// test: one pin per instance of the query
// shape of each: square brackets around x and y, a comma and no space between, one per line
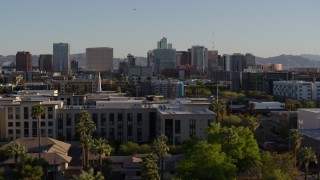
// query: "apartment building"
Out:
[299,90]
[116,118]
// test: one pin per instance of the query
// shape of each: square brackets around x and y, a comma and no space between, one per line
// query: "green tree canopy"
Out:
[238,143]
[306,155]
[149,169]
[90,175]
[16,151]
[206,161]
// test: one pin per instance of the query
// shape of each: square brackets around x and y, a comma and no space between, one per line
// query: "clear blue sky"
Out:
[264,28]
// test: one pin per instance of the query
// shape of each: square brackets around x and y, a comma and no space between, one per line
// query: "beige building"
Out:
[116,118]
[308,119]
[99,59]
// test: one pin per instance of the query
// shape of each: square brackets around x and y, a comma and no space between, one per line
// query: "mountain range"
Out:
[287,61]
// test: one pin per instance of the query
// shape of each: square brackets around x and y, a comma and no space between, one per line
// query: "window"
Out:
[26,124]
[10,131]
[26,132]
[192,127]
[68,119]
[139,134]
[177,126]
[95,118]
[111,119]
[43,123]
[26,113]
[139,119]
[17,112]
[10,113]
[18,133]
[50,123]
[17,124]
[50,133]
[34,124]
[10,124]
[103,119]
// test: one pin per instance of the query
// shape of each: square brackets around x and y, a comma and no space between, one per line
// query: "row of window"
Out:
[26,114]
[34,124]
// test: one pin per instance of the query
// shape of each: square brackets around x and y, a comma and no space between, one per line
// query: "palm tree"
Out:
[219,107]
[160,148]
[305,156]
[149,169]
[88,175]
[295,137]
[101,148]
[87,141]
[36,112]
[84,126]
[16,150]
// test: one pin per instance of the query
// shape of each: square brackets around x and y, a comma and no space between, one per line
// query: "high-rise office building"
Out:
[61,57]
[199,58]
[164,57]
[74,66]
[23,61]
[212,61]
[131,60]
[45,62]
[99,59]
[183,58]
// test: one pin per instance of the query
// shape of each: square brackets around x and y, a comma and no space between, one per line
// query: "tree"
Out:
[238,143]
[101,148]
[305,156]
[295,137]
[160,148]
[251,122]
[36,112]
[16,151]
[29,172]
[277,166]
[88,175]
[87,141]
[206,161]
[85,126]
[219,107]
[149,169]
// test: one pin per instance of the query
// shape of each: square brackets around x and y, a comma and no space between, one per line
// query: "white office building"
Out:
[299,90]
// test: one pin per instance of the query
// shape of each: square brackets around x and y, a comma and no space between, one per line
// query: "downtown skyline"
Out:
[262,28]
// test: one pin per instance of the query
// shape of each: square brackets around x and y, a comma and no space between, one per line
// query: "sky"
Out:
[265,28]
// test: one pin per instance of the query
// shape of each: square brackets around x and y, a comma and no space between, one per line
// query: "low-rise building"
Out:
[117,118]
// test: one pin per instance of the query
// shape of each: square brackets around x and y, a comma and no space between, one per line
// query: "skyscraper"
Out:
[164,57]
[61,57]
[46,62]
[99,59]
[74,66]
[23,61]
[199,58]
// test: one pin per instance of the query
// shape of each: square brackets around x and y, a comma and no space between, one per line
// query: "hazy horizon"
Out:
[263,28]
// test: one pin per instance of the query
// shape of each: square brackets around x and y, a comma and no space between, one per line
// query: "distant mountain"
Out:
[289,61]
[81,58]
[311,56]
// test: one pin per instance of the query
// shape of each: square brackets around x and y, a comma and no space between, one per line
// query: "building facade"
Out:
[164,57]
[299,90]
[61,57]
[99,59]
[46,62]
[199,58]
[23,61]
[116,118]
[74,66]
